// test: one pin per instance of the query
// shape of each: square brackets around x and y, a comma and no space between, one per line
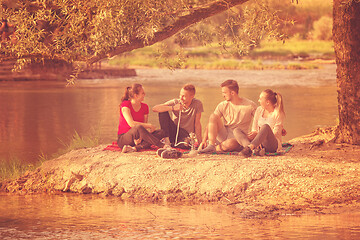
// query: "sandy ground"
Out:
[316,175]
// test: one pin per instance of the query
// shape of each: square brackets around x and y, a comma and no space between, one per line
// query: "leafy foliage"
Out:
[323,28]
[83,30]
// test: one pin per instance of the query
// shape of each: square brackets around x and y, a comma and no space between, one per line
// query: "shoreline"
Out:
[236,64]
[316,175]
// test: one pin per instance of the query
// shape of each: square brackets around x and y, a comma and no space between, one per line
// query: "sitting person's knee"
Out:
[238,131]
[213,117]
[265,127]
[228,146]
[139,127]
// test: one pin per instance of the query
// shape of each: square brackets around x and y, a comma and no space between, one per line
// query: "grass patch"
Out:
[216,57]
[76,142]
[13,168]
[294,47]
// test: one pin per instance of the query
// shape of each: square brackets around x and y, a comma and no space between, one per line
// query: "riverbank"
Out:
[311,177]
[294,54]
[60,71]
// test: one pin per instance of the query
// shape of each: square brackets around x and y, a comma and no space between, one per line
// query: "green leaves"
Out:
[79,30]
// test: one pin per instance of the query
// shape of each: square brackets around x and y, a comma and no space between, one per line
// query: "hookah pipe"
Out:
[192,137]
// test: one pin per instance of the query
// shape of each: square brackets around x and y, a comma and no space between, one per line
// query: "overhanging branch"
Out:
[182,23]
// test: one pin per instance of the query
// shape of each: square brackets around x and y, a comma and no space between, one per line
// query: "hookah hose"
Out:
[177,130]
[192,152]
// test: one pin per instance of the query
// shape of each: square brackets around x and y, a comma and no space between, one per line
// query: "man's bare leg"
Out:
[213,127]
[229,145]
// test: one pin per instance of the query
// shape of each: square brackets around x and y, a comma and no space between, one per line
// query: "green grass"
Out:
[14,167]
[216,57]
[323,49]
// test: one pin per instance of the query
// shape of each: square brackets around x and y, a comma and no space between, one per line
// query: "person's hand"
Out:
[252,135]
[137,141]
[178,107]
[202,146]
[152,128]
[283,132]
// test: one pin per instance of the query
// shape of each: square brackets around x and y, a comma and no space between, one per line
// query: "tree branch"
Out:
[182,23]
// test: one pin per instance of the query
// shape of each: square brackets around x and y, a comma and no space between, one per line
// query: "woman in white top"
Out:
[267,128]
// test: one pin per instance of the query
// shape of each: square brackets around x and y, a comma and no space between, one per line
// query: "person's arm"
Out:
[198,127]
[279,126]
[171,105]
[129,119]
[162,108]
[203,142]
[254,129]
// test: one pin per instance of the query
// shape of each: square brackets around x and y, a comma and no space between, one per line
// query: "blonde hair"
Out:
[277,100]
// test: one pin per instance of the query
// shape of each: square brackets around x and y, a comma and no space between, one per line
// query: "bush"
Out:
[323,28]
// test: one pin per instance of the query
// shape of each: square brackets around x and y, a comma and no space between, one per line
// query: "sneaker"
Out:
[160,150]
[246,152]
[259,152]
[128,149]
[209,149]
[171,153]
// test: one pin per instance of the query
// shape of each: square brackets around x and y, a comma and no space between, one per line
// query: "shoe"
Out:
[246,152]
[171,153]
[128,149]
[160,150]
[183,146]
[209,149]
[259,152]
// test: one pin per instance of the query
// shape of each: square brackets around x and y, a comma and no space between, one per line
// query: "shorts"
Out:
[224,134]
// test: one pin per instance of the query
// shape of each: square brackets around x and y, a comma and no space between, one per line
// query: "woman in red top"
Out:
[135,133]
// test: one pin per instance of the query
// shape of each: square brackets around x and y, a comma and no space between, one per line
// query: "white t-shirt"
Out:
[236,115]
[275,121]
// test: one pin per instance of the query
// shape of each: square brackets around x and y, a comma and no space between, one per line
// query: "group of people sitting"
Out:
[227,129]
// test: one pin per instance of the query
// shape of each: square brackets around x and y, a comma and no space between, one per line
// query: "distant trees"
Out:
[323,28]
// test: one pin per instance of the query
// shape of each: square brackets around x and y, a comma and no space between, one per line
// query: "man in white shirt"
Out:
[237,113]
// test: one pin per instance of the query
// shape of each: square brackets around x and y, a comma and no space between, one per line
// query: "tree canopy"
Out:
[90,30]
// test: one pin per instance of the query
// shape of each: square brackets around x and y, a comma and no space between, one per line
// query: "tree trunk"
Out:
[346,34]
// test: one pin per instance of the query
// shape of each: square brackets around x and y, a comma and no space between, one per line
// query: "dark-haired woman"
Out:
[267,128]
[134,132]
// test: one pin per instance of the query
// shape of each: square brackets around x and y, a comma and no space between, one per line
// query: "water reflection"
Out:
[90,217]
[38,116]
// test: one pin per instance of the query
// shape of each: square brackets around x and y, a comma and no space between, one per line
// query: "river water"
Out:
[71,216]
[38,117]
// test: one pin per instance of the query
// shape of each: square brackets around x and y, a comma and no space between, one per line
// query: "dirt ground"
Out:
[315,175]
